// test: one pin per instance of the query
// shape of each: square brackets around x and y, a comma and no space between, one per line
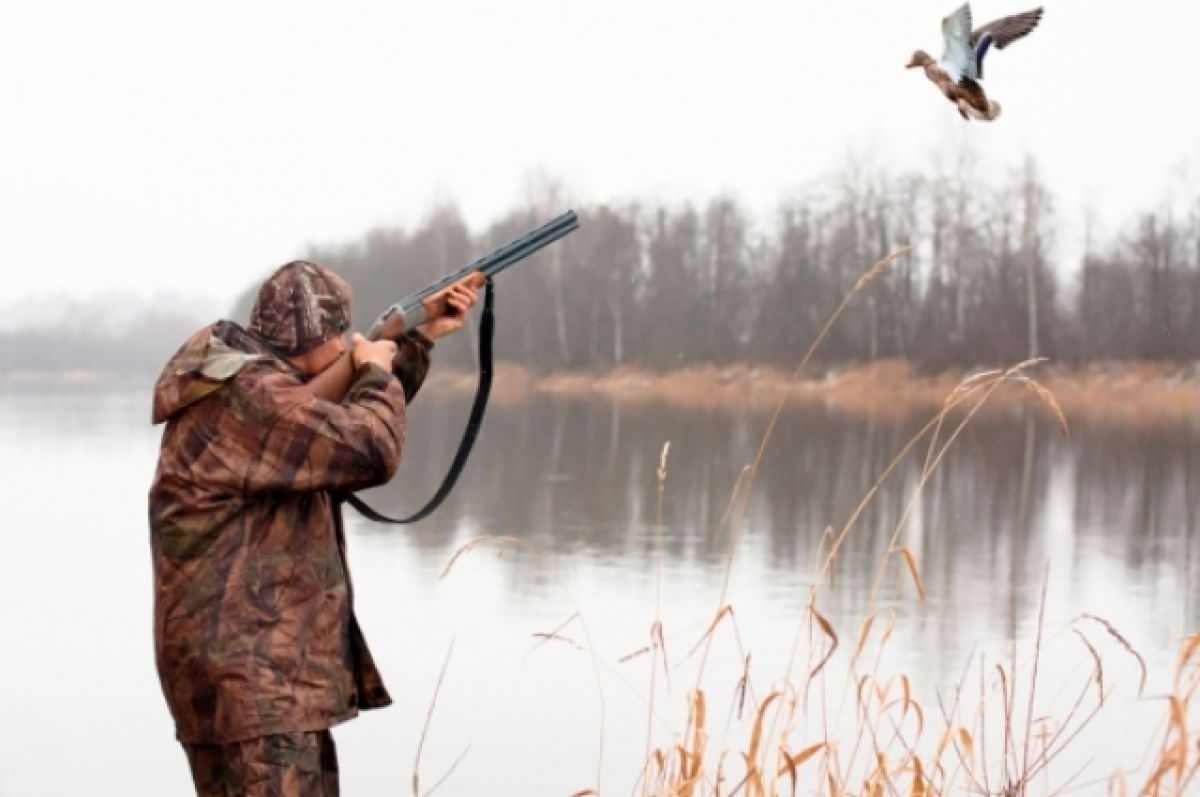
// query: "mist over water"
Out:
[1107,517]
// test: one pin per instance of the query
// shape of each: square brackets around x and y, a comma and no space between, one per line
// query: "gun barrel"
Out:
[412,306]
[526,245]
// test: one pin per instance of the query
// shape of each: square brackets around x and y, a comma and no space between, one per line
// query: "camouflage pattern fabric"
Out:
[254,626]
[284,765]
[299,307]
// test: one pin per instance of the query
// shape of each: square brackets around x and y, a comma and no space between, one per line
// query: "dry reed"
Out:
[890,727]
[473,543]
[416,777]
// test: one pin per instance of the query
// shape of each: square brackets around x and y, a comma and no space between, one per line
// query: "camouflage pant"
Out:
[285,765]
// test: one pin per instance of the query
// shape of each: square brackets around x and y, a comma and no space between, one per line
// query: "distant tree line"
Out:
[668,286]
[664,287]
[90,342]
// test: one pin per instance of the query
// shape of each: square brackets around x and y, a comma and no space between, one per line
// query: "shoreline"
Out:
[1135,391]
[1117,391]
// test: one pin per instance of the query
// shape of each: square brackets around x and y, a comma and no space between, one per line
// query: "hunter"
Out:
[258,650]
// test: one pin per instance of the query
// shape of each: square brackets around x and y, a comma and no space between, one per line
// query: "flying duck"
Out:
[960,68]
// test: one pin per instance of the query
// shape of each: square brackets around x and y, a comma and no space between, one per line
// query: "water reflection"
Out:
[572,477]
[1112,511]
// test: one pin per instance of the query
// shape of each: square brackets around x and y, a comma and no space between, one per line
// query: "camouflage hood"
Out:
[206,360]
[299,307]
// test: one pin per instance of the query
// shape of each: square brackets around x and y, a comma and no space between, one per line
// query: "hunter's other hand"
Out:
[379,352]
[460,299]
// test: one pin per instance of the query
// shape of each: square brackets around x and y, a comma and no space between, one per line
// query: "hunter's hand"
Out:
[379,352]
[459,301]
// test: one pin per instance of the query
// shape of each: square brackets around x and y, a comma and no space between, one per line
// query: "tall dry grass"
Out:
[837,725]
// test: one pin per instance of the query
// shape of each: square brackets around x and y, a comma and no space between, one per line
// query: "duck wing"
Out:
[1001,32]
[958,58]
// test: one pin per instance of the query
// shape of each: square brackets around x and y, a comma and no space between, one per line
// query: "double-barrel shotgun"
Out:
[430,301]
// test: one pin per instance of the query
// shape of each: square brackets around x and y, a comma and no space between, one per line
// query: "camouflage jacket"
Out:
[254,625]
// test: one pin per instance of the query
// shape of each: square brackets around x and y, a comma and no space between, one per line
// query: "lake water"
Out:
[1106,520]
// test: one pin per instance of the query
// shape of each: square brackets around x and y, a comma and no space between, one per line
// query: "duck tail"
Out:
[993,110]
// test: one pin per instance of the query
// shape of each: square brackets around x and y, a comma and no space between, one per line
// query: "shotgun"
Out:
[430,302]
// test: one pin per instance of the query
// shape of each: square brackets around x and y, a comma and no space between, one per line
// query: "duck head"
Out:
[919,58]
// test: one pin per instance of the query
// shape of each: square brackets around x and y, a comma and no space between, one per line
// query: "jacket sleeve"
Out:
[301,443]
[411,362]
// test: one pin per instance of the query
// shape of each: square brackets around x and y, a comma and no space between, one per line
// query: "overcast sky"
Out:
[153,145]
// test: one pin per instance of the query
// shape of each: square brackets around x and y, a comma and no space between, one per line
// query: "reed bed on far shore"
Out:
[1112,392]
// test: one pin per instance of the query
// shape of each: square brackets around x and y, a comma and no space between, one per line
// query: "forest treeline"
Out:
[667,286]
[664,287]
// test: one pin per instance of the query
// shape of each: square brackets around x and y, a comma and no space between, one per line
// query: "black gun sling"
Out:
[486,325]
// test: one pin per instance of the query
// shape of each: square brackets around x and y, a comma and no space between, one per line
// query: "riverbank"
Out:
[889,388]
[1117,391]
